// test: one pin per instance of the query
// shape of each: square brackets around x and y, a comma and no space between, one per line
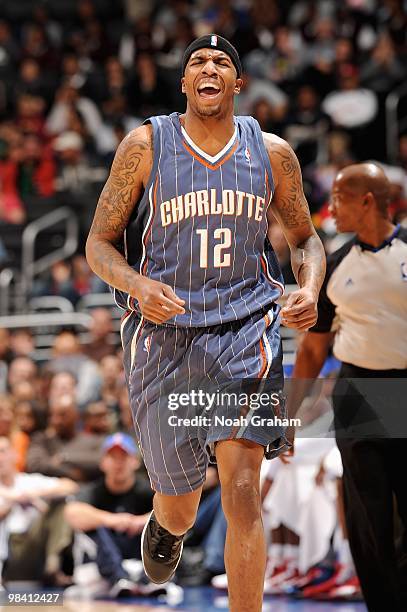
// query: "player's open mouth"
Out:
[208,90]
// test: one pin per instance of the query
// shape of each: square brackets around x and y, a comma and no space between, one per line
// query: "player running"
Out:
[191,197]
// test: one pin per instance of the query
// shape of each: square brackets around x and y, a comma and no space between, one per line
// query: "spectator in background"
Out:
[6,352]
[98,419]
[37,169]
[12,209]
[254,89]
[21,369]
[63,450]
[344,52]
[9,51]
[112,513]
[76,176]
[30,114]
[307,126]
[147,93]
[26,391]
[96,45]
[35,45]
[72,73]
[32,530]
[62,383]
[384,70]
[322,177]
[115,104]
[58,281]
[398,189]
[115,80]
[9,429]
[29,417]
[351,105]
[32,81]
[403,152]
[283,63]
[5,357]
[52,29]
[113,376]
[354,108]
[100,332]
[68,356]
[263,112]
[323,43]
[22,343]
[69,98]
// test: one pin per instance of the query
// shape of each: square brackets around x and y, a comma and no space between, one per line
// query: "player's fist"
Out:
[157,301]
[300,310]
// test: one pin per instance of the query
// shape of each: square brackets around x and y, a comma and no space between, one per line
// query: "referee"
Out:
[362,309]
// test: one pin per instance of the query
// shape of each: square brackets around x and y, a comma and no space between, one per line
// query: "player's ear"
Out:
[183,84]
[238,85]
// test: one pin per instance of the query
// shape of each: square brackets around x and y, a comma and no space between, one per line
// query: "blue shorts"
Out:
[192,387]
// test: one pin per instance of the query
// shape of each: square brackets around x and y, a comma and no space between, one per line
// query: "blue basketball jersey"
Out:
[201,225]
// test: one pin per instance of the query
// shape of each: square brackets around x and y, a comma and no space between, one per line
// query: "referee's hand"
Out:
[286,456]
[300,310]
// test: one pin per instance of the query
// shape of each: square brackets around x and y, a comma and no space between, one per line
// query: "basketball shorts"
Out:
[193,387]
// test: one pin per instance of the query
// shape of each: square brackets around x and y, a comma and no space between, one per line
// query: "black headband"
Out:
[213,41]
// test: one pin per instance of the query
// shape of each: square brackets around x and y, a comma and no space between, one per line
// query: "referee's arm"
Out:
[311,355]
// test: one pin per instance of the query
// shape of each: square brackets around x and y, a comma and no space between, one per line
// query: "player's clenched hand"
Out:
[300,310]
[157,301]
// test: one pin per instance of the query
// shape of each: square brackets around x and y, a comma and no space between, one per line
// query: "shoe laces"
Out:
[164,544]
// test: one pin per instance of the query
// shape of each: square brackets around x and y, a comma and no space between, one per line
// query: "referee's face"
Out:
[347,207]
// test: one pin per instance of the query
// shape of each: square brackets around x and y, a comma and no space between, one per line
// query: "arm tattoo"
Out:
[117,198]
[292,206]
[291,209]
[114,209]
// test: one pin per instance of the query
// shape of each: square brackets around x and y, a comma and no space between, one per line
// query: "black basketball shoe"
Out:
[160,551]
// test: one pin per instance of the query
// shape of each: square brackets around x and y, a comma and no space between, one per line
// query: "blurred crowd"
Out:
[75,77]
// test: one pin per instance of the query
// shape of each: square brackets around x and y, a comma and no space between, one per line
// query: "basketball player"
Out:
[194,194]
[362,309]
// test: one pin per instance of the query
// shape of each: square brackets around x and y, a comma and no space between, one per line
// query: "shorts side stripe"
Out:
[134,341]
[124,321]
[267,356]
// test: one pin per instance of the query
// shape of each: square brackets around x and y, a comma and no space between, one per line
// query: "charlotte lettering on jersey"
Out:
[206,202]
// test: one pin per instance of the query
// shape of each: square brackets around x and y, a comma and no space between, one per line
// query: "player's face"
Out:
[346,207]
[210,82]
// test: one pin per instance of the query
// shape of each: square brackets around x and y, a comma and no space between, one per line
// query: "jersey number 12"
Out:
[220,259]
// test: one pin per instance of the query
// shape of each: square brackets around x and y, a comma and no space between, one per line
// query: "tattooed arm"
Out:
[290,208]
[128,177]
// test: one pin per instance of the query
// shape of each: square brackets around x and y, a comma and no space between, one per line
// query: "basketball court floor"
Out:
[202,599]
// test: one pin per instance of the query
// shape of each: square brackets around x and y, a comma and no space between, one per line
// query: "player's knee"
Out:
[177,520]
[241,501]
